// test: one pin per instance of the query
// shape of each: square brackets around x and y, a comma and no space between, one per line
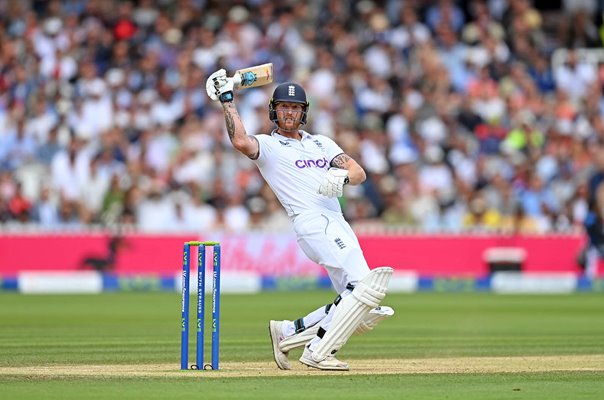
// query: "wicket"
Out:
[201,278]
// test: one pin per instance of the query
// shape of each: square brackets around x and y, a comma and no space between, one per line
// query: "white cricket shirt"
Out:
[294,169]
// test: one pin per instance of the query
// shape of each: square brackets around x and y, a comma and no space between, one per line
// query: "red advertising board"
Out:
[278,254]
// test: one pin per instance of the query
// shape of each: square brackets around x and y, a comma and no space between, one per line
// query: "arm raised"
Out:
[220,88]
[244,143]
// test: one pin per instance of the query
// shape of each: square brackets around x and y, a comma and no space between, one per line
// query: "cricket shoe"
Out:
[329,363]
[276,333]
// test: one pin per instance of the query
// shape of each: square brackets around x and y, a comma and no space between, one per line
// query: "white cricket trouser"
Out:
[327,239]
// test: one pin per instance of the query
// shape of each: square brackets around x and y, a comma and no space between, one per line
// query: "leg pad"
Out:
[352,310]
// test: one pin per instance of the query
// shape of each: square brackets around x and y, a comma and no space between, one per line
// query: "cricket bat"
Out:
[254,76]
[245,78]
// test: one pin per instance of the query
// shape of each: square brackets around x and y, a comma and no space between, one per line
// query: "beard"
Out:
[288,124]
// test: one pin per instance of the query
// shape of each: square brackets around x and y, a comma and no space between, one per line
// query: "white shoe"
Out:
[329,363]
[276,334]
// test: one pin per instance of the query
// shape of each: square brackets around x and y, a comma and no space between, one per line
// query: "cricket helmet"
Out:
[288,92]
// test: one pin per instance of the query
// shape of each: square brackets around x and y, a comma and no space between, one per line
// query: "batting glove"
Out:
[220,87]
[333,183]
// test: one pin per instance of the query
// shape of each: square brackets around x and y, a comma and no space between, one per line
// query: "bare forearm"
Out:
[356,173]
[234,125]
[236,131]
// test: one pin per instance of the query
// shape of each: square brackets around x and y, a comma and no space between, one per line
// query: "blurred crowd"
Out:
[479,115]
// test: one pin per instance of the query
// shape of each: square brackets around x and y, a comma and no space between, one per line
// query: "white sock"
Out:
[313,318]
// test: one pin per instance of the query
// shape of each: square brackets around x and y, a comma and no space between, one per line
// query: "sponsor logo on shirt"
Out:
[320,163]
[284,143]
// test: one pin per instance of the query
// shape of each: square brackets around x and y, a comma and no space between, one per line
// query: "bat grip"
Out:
[237,80]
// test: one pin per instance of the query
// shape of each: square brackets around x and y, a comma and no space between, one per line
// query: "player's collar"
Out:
[304,135]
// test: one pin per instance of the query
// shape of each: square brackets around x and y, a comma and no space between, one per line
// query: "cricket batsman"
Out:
[308,173]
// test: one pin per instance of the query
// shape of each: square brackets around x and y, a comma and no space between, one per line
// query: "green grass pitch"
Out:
[437,346]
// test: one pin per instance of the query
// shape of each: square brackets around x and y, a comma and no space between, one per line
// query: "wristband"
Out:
[226,97]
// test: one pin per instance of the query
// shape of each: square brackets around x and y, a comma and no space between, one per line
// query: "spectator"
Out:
[46,212]
[19,206]
[18,146]
[538,202]
[94,189]
[410,32]
[445,13]
[524,137]
[575,76]
[542,74]
[480,217]
[106,100]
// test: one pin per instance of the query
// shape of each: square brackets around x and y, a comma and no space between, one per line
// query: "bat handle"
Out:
[237,80]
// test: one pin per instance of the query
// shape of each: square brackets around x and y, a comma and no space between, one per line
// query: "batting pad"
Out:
[353,309]
[374,317]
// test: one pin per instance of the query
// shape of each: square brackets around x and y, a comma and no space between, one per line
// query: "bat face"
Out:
[248,78]
[258,75]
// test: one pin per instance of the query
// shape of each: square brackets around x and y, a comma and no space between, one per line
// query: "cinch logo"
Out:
[320,163]
[291,90]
